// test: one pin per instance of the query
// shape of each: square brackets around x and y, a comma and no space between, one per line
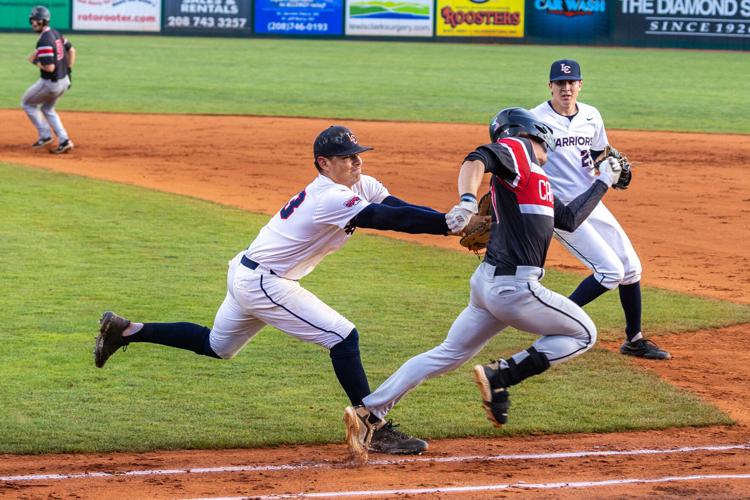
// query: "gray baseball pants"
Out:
[496,302]
[39,103]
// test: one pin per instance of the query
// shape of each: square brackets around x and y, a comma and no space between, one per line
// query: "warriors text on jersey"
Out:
[570,166]
[525,209]
[50,49]
[312,225]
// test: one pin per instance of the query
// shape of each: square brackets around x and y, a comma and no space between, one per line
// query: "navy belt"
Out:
[505,271]
[251,264]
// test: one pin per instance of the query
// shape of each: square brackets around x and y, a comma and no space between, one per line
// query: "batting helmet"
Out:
[515,122]
[39,13]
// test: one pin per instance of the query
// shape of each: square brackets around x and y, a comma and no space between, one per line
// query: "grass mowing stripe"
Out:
[633,88]
[74,247]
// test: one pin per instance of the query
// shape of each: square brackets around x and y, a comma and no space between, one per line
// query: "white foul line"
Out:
[489,487]
[327,465]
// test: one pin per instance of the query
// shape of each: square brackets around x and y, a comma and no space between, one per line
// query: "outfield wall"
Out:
[696,24]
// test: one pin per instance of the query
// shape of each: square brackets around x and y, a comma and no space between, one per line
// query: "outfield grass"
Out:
[633,88]
[73,247]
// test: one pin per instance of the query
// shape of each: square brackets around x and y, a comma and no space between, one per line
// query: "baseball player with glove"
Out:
[599,243]
[505,288]
[55,57]
[263,280]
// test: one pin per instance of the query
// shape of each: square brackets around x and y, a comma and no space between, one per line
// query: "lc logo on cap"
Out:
[565,69]
[337,140]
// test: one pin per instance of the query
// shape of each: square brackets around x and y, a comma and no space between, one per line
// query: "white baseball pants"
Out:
[496,302]
[256,298]
[39,103]
[601,244]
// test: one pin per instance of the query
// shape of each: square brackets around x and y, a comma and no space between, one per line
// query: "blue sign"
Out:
[299,17]
[567,20]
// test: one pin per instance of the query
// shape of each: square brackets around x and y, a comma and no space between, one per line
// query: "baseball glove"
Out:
[477,233]
[624,181]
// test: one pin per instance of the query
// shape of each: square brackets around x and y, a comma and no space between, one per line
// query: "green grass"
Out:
[73,247]
[643,89]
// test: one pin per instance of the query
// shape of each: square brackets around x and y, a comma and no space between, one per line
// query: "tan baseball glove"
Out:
[476,235]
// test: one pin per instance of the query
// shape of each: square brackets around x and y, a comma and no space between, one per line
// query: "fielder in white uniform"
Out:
[262,281]
[505,288]
[599,243]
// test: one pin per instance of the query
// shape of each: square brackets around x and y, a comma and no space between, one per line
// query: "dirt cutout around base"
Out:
[686,213]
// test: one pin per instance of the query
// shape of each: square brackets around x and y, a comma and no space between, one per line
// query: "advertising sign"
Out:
[207,16]
[697,22]
[117,15]
[299,17]
[388,18]
[499,18]
[567,20]
[15,14]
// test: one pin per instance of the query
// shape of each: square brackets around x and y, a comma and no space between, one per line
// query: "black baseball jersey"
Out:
[50,49]
[525,210]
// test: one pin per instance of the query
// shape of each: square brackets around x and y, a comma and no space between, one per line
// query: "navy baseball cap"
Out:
[337,140]
[565,69]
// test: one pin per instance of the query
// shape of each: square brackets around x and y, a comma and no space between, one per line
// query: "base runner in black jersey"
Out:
[505,288]
[54,56]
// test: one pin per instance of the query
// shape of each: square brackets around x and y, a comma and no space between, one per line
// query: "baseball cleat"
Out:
[387,439]
[41,143]
[495,400]
[358,432]
[643,348]
[110,337]
[63,147]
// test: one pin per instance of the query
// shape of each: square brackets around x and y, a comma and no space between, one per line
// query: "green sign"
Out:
[14,14]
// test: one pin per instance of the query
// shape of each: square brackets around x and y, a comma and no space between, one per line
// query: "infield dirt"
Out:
[687,213]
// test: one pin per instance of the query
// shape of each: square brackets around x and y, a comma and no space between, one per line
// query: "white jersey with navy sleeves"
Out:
[570,166]
[313,224]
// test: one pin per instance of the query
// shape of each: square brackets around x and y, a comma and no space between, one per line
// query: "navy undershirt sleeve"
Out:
[404,219]
[392,201]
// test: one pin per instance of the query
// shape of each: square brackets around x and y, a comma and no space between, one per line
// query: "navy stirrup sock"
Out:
[630,298]
[347,365]
[587,290]
[187,336]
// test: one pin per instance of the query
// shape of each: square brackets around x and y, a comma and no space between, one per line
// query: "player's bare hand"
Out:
[459,216]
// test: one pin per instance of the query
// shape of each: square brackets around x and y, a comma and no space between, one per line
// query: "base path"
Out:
[686,213]
[687,210]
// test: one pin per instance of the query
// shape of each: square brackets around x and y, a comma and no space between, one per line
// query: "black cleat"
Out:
[63,147]
[110,337]
[643,348]
[496,400]
[387,439]
[42,142]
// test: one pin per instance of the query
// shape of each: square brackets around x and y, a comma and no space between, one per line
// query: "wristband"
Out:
[468,197]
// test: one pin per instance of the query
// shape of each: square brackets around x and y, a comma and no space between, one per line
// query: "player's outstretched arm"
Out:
[404,219]
[392,201]
[569,217]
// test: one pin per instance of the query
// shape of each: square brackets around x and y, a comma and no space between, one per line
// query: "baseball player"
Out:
[599,243]
[263,281]
[55,57]
[505,288]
